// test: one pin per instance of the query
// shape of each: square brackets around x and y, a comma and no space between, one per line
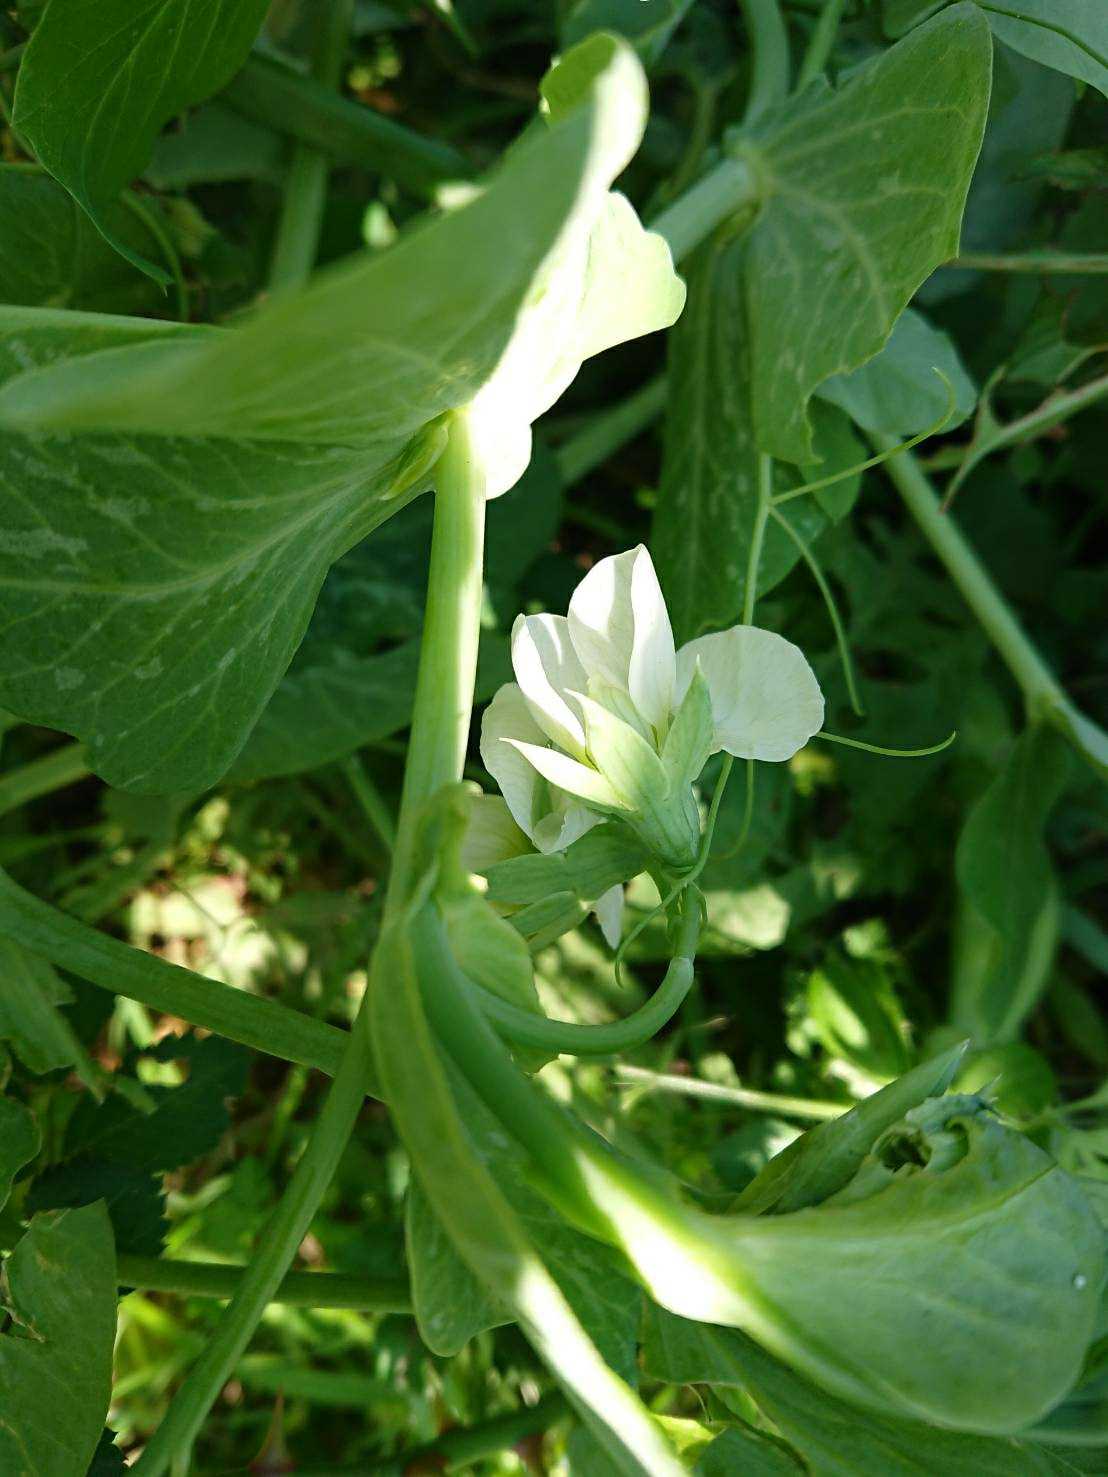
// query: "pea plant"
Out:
[536,954]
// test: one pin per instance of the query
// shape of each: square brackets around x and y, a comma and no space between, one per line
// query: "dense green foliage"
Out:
[553,737]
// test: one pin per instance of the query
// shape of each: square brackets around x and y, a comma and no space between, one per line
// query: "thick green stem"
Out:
[728,188]
[440,728]
[347,132]
[298,1289]
[42,776]
[297,242]
[821,42]
[769,81]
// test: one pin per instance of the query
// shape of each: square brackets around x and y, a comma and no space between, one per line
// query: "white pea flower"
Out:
[606,718]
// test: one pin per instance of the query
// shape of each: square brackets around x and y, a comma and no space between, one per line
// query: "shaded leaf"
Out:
[1069,35]
[1005,874]
[52,256]
[60,1285]
[19,1143]
[133,1198]
[100,77]
[30,992]
[181,1123]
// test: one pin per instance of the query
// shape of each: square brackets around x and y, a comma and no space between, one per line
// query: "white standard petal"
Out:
[546,667]
[653,668]
[766,702]
[620,627]
[509,717]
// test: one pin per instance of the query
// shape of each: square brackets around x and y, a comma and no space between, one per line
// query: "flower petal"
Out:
[609,914]
[568,775]
[546,665]
[766,702]
[492,834]
[653,668]
[509,717]
[620,627]
[566,824]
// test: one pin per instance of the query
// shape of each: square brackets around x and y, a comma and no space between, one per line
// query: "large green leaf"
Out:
[835,1439]
[100,77]
[154,621]
[708,498]
[382,344]
[863,192]
[56,1363]
[52,256]
[958,1258]
[1007,882]
[154,592]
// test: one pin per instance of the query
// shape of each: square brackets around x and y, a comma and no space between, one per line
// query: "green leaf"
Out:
[898,391]
[853,1010]
[1069,35]
[708,498]
[322,712]
[51,256]
[100,77]
[133,1198]
[863,193]
[19,1143]
[56,1362]
[30,992]
[957,1258]
[834,1439]
[169,612]
[161,588]
[179,1123]
[383,343]
[825,1158]
[107,1460]
[1007,881]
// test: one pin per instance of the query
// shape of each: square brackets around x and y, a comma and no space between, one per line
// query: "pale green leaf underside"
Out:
[153,592]
[55,1385]
[865,192]
[100,77]
[154,588]
[381,344]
